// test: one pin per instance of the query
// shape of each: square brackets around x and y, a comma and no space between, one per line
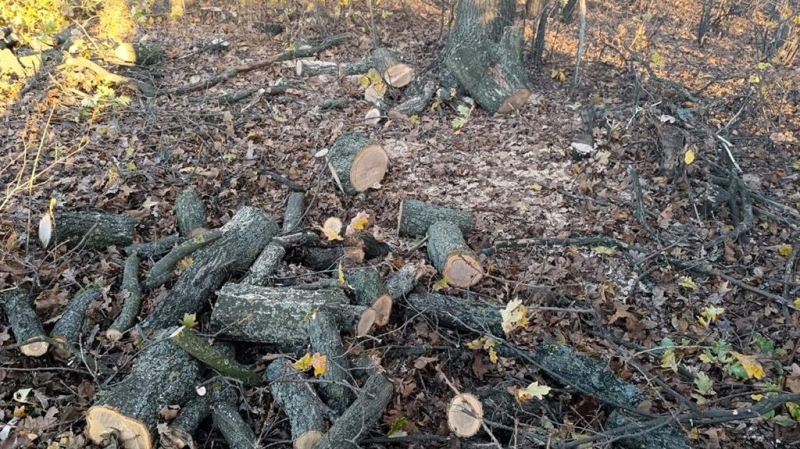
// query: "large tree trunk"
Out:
[484,53]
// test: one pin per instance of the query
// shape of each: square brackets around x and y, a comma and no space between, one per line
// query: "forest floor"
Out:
[731,297]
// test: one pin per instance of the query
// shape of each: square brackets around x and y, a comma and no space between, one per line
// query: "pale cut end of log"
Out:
[373,116]
[462,270]
[366,322]
[464,415]
[132,433]
[372,95]
[35,349]
[383,309]
[114,335]
[369,167]
[399,75]
[515,101]
[308,439]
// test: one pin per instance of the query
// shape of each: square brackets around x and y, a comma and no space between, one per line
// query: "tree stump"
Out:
[450,255]
[486,55]
[357,164]
[164,375]
[416,217]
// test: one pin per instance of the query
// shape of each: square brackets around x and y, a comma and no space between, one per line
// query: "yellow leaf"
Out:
[756,397]
[185,263]
[492,355]
[703,322]
[52,207]
[489,343]
[686,281]
[797,303]
[604,250]
[668,360]
[320,364]
[475,344]
[414,119]
[688,156]
[441,284]
[340,275]
[534,390]
[131,166]
[113,177]
[750,365]
[785,250]
[694,433]
[363,81]
[711,313]
[535,187]
[332,229]
[514,315]
[754,79]
[358,223]
[303,363]
[189,320]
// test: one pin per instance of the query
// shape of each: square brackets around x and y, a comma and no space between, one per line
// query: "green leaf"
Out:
[459,122]
[764,344]
[397,426]
[703,385]
[463,110]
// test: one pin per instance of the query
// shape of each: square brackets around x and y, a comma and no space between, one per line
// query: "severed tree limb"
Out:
[105,75]
[162,270]
[132,294]
[222,363]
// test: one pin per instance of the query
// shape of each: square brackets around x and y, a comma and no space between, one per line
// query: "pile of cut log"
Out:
[233,267]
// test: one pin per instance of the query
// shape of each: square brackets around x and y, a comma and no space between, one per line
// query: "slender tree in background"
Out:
[581,39]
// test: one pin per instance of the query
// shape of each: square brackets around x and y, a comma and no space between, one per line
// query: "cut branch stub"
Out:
[389,63]
[450,255]
[370,291]
[24,322]
[416,217]
[358,164]
[464,415]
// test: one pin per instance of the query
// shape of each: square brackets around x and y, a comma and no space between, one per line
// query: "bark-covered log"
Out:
[236,431]
[293,216]
[323,259]
[23,321]
[162,270]
[663,437]
[323,331]
[132,297]
[460,313]
[68,327]
[191,212]
[179,433]
[370,291]
[298,400]
[486,55]
[94,230]
[244,237]
[417,216]
[389,64]
[163,375]
[296,239]
[449,253]
[222,363]
[417,102]
[402,282]
[155,249]
[275,315]
[139,54]
[361,415]
[357,164]
[266,264]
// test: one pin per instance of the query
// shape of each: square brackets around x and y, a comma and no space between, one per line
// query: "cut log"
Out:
[132,297]
[94,230]
[23,321]
[324,259]
[402,282]
[68,327]
[360,416]
[459,313]
[244,237]
[266,264]
[661,437]
[358,164]
[164,375]
[154,249]
[222,363]
[276,315]
[304,238]
[370,292]
[464,415]
[417,101]
[417,216]
[295,208]
[373,248]
[236,431]
[298,400]
[486,57]
[448,252]
[389,63]
[325,339]
[179,433]
[162,270]
[191,212]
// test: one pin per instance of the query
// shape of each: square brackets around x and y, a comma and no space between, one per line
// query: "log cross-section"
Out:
[450,255]
[357,164]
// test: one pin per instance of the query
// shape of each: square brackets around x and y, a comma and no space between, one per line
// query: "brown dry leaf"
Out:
[422,362]
[793,379]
